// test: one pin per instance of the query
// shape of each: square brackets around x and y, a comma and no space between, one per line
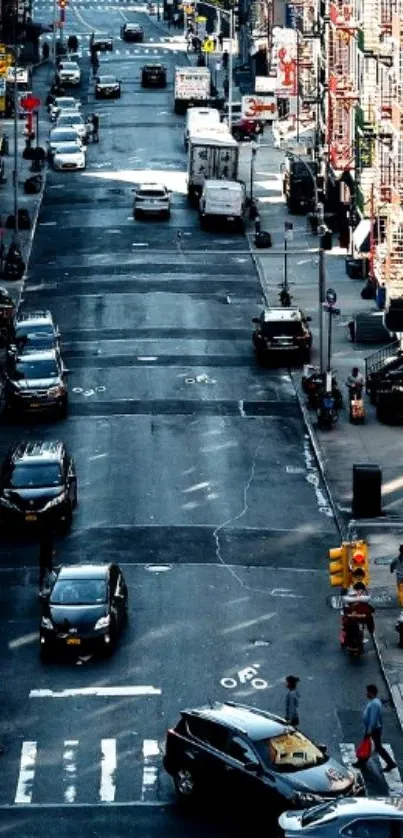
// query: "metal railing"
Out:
[377,360]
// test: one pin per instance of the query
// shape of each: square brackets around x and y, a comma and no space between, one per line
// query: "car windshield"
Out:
[291,751]
[36,369]
[66,103]
[69,65]
[284,328]
[63,136]
[68,148]
[304,170]
[35,476]
[107,79]
[319,812]
[79,592]
[70,119]
[31,330]
[133,27]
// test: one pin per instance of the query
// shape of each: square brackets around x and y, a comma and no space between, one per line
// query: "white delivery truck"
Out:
[192,87]
[212,154]
[199,118]
[223,201]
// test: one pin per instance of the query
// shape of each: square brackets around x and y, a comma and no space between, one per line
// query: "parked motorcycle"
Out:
[14,265]
[314,383]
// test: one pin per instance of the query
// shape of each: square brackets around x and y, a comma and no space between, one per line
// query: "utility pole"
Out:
[230,68]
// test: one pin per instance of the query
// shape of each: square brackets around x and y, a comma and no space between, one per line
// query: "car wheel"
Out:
[45,653]
[63,409]
[185,785]
[75,496]
[67,523]
[167,215]
[136,215]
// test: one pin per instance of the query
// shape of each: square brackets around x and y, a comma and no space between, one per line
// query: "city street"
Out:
[195,474]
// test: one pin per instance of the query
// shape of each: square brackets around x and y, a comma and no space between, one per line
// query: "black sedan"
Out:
[107,87]
[38,486]
[132,32]
[153,75]
[36,382]
[85,609]
[101,44]
[253,755]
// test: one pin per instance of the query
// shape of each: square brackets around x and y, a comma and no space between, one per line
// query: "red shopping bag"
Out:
[363,750]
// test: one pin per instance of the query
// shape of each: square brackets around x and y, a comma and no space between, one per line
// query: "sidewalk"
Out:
[345,444]
[30,202]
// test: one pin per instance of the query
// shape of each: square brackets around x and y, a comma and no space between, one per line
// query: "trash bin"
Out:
[367,491]
[263,239]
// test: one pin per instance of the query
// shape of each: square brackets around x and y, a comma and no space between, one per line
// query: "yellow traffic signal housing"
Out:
[338,566]
[359,563]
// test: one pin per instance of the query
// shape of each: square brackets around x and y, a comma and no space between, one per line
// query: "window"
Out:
[40,475]
[241,750]
[368,828]
[207,732]
[79,592]
[36,369]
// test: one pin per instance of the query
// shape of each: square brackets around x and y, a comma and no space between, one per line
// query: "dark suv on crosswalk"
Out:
[238,752]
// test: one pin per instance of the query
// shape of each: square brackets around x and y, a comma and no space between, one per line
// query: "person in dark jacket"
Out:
[292,700]
[397,565]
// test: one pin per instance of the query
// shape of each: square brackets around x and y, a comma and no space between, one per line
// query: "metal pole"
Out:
[230,83]
[329,342]
[322,287]
[298,65]
[252,172]
[37,127]
[285,265]
[54,34]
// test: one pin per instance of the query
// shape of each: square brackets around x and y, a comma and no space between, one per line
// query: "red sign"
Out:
[30,102]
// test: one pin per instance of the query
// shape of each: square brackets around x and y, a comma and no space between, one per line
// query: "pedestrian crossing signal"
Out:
[63,4]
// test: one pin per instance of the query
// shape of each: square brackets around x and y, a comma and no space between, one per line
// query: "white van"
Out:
[223,200]
[199,117]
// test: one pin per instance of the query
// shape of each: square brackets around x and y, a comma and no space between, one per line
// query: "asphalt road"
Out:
[195,473]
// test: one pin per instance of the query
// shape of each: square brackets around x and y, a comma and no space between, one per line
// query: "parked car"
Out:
[153,75]
[132,32]
[35,330]
[355,817]
[38,486]
[101,43]
[63,103]
[107,87]
[72,119]
[60,136]
[68,157]
[284,331]
[152,199]
[85,610]
[239,751]
[246,129]
[68,73]
[37,382]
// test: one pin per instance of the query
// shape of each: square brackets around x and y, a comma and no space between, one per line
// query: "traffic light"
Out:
[63,4]
[338,566]
[359,563]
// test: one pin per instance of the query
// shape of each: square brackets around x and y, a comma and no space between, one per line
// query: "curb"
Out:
[31,239]
[393,690]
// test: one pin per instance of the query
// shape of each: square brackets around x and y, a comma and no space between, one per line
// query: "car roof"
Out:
[31,317]
[257,724]
[36,451]
[42,355]
[224,185]
[69,64]
[156,186]
[132,26]
[278,313]
[154,66]
[385,806]
[84,571]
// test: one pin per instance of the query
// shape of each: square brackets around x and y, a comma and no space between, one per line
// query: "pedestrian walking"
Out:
[292,700]
[46,553]
[397,565]
[176,20]
[221,40]
[373,728]
[225,58]
[225,87]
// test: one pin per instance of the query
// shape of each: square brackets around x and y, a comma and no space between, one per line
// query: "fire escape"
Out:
[343,94]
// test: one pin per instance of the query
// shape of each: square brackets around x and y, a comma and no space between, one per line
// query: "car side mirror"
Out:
[308,319]
[252,767]
[119,596]
[255,320]
[66,371]
[323,749]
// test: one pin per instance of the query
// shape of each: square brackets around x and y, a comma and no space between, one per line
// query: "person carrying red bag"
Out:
[373,731]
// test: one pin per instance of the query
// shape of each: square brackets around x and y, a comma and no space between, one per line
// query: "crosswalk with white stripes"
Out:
[154,46]
[143,769]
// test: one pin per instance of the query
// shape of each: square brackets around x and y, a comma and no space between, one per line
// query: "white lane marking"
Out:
[96,691]
[48,224]
[70,770]
[150,769]
[107,789]
[393,778]
[26,775]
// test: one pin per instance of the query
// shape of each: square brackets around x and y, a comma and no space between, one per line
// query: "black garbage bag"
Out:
[24,221]
[263,239]
[33,185]
[368,292]
[28,153]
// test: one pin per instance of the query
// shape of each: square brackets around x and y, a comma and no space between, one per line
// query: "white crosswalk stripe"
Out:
[33,759]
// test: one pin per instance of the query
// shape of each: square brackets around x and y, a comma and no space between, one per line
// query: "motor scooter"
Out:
[327,415]
[313,384]
[357,614]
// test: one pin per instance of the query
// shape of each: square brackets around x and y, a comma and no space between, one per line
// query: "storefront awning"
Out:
[361,236]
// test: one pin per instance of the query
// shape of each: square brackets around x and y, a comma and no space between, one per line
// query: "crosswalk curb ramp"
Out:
[65,760]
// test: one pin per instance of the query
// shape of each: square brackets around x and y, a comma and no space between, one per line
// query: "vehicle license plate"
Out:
[73,641]
[30,516]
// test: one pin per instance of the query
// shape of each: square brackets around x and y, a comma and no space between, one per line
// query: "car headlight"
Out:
[55,501]
[56,391]
[46,623]
[102,623]
[7,503]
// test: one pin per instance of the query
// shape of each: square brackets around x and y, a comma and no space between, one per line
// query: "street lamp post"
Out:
[230,13]
[252,168]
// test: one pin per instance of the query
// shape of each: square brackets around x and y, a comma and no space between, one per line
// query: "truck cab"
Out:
[299,176]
